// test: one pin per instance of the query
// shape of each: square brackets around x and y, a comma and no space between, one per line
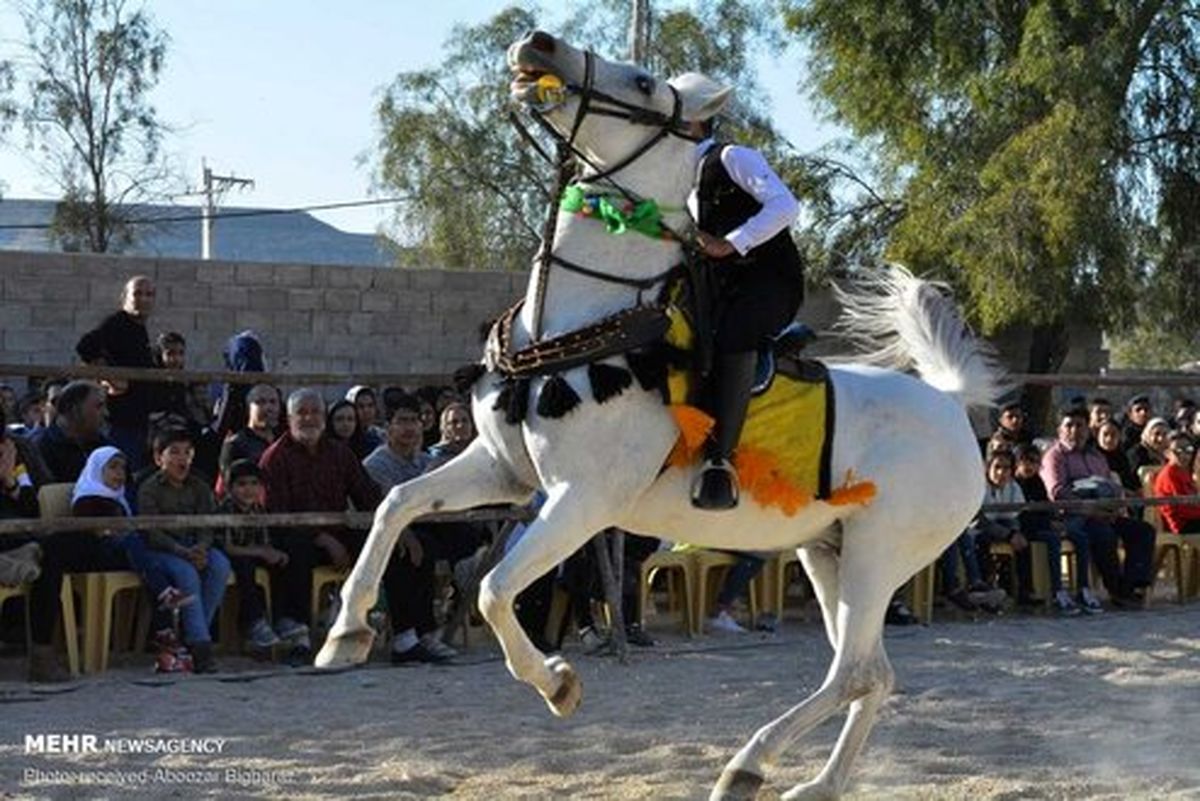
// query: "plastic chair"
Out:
[775,581]
[230,606]
[920,592]
[1167,544]
[670,563]
[705,562]
[322,577]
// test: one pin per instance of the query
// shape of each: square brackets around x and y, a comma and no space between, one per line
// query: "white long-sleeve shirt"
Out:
[750,171]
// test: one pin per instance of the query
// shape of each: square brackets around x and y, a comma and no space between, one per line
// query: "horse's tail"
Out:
[902,321]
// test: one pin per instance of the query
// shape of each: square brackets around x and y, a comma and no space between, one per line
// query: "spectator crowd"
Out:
[139,447]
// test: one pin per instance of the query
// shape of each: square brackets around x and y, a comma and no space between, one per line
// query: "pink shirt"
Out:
[1062,466]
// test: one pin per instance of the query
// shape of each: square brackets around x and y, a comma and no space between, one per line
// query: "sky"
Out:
[283,92]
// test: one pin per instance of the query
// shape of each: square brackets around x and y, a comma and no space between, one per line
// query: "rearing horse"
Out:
[602,464]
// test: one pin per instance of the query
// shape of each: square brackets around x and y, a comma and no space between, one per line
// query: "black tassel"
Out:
[557,398]
[649,367]
[514,400]
[466,376]
[608,381]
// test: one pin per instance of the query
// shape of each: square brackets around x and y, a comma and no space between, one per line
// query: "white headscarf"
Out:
[91,480]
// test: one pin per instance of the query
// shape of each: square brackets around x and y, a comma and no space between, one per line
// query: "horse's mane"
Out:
[901,321]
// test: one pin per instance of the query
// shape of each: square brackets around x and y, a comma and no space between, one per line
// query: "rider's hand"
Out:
[715,247]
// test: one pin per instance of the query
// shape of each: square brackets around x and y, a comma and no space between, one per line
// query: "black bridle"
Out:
[593,101]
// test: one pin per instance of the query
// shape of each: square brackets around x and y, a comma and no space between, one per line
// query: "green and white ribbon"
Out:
[617,213]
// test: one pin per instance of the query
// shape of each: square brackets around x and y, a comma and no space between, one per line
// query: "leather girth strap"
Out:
[618,333]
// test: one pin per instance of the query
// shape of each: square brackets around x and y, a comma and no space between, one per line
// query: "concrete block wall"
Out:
[352,320]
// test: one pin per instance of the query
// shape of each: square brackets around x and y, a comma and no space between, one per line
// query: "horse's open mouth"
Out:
[536,87]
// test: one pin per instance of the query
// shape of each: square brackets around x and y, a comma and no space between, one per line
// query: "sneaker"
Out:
[417,654]
[593,642]
[1090,603]
[435,646]
[300,655]
[767,622]
[898,614]
[261,636]
[288,629]
[202,658]
[725,624]
[986,596]
[1064,605]
[636,635]
[963,601]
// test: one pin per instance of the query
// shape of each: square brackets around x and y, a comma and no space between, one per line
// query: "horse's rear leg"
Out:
[859,675]
[472,479]
[563,525]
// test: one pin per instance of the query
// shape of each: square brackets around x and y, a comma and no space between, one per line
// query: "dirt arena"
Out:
[1009,708]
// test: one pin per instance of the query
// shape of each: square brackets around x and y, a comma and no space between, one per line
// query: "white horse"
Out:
[601,465]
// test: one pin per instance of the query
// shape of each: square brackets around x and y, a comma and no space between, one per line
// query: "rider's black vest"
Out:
[723,206]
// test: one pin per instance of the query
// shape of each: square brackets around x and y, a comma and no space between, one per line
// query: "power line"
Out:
[225,214]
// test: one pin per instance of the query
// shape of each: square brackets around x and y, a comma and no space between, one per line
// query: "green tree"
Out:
[476,194]
[1042,154]
[88,113]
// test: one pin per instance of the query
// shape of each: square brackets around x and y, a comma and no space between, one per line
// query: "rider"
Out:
[742,212]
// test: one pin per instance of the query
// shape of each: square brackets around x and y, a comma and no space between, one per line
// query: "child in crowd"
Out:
[249,548]
[1038,526]
[987,528]
[186,555]
[100,492]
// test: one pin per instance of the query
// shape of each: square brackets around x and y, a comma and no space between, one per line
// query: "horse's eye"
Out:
[645,84]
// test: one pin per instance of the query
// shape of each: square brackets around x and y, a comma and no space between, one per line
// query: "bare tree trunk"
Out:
[1047,352]
[639,33]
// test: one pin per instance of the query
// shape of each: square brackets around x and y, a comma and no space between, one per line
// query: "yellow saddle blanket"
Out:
[783,457]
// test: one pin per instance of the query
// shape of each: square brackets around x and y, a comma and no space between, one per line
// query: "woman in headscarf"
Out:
[243,354]
[1108,442]
[1151,451]
[341,423]
[367,409]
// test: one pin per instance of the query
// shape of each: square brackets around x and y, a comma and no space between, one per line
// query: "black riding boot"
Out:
[716,487]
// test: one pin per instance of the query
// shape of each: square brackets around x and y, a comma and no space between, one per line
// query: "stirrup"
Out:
[716,486]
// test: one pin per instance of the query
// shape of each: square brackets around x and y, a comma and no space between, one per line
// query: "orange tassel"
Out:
[694,427]
[861,492]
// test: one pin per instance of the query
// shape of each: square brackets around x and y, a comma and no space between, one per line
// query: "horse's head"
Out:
[607,110]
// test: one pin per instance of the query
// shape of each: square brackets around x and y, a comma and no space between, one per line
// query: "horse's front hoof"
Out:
[347,648]
[565,700]
[736,785]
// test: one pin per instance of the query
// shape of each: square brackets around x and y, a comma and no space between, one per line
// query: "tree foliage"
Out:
[1040,153]
[475,193]
[93,64]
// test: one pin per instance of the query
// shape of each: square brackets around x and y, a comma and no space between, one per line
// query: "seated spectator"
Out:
[1099,412]
[30,415]
[988,527]
[457,429]
[1193,428]
[8,401]
[52,390]
[1181,417]
[99,492]
[243,353]
[187,556]
[1072,470]
[305,471]
[121,340]
[79,418]
[429,416]
[367,410]
[391,464]
[1108,442]
[170,353]
[342,423]
[1012,427]
[1176,480]
[18,494]
[248,549]
[1045,527]
[1137,413]
[261,428]
[1151,449]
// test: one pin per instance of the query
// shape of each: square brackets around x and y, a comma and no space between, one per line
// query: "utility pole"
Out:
[639,33]
[213,187]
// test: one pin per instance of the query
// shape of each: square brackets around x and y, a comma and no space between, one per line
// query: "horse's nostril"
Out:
[542,42]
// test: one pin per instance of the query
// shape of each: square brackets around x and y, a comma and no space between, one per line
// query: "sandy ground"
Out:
[1008,708]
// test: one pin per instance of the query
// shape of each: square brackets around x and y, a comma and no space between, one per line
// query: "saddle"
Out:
[782,352]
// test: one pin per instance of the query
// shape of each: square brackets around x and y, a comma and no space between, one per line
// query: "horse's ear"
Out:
[702,97]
